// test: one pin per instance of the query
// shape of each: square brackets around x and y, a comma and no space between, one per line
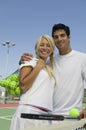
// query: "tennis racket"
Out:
[48,117]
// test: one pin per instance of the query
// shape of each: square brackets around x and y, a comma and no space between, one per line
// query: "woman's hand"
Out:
[83,113]
[41,63]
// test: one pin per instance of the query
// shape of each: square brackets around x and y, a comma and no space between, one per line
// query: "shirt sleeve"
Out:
[31,63]
[84,67]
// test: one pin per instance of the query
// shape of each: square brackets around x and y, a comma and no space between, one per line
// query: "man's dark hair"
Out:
[60,26]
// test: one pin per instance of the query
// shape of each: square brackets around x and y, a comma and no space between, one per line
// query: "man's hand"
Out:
[25,57]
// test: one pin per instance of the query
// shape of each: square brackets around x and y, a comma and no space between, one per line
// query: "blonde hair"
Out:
[49,68]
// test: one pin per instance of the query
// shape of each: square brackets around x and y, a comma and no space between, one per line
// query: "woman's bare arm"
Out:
[28,75]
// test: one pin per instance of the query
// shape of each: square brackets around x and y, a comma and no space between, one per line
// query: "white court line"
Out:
[8,116]
[5,117]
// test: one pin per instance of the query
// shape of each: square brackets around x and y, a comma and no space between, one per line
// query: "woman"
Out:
[37,85]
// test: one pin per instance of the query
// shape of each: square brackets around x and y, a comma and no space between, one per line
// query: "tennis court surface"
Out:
[6,113]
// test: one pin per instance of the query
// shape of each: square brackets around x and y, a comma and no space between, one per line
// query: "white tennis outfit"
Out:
[70,73]
[39,95]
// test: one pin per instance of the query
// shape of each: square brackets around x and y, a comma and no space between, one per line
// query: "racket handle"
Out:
[41,117]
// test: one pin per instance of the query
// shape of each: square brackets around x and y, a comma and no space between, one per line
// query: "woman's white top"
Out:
[41,92]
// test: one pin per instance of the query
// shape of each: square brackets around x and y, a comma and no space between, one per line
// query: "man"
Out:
[70,73]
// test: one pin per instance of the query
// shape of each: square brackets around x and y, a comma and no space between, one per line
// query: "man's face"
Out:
[62,41]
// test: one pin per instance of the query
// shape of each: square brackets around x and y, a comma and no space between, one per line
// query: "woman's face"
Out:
[44,50]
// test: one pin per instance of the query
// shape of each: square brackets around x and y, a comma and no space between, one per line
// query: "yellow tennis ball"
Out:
[74,112]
